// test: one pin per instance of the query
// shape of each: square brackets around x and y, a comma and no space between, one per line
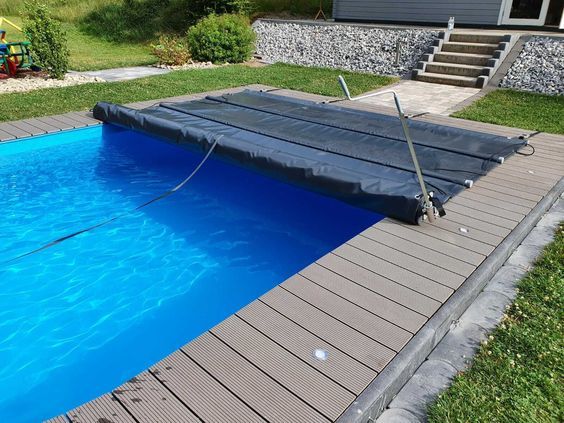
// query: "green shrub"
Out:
[180,14]
[171,50]
[48,40]
[221,39]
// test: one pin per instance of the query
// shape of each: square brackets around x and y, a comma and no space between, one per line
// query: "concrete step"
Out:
[462,58]
[439,78]
[458,37]
[469,48]
[454,69]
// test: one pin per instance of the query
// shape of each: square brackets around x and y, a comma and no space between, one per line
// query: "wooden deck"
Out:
[362,304]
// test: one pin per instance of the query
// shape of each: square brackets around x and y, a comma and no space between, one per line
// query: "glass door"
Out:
[525,12]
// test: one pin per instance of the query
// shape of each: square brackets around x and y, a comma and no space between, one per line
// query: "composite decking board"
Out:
[512,185]
[42,126]
[525,178]
[447,249]
[4,136]
[312,386]
[78,122]
[521,171]
[84,118]
[271,400]
[340,367]
[58,419]
[547,149]
[491,209]
[511,181]
[26,127]
[370,324]
[422,252]
[210,400]
[478,199]
[515,191]
[496,233]
[381,285]
[148,400]
[375,303]
[56,123]
[105,408]
[394,272]
[545,154]
[12,130]
[69,121]
[411,263]
[330,329]
[488,213]
[546,167]
[537,160]
[546,163]
[506,198]
[546,140]
[474,240]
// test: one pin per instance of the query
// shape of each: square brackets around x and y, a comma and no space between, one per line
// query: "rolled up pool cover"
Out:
[359,157]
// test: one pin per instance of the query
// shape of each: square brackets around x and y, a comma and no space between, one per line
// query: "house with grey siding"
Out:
[547,13]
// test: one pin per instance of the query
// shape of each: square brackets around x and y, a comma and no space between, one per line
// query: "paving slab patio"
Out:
[423,97]
[124,74]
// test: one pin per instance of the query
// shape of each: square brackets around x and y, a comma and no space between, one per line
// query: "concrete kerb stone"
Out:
[432,377]
[398,415]
[459,345]
[505,280]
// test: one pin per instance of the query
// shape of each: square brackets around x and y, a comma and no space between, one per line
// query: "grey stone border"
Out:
[372,402]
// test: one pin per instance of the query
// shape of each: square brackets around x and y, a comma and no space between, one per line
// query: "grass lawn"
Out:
[518,375]
[92,53]
[536,112]
[82,97]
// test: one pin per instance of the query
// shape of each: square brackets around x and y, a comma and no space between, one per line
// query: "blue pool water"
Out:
[80,318]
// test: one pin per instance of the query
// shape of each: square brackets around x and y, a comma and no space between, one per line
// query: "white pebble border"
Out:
[29,83]
[350,47]
[189,65]
[538,68]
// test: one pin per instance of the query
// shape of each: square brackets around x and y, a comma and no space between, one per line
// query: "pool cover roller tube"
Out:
[359,157]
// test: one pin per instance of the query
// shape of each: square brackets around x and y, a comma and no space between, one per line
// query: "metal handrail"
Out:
[428,204]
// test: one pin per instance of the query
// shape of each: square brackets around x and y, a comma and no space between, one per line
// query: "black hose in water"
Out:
[119,216]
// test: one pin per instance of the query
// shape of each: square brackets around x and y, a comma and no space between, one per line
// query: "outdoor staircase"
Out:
[463,59]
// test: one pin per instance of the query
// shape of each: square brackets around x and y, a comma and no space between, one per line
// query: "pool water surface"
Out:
[81,317]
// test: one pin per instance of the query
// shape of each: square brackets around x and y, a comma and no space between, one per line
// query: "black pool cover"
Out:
[359,157]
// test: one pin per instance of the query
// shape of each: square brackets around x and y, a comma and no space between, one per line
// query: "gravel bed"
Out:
[538,68]
[186,66]
[355,48]
[30,83]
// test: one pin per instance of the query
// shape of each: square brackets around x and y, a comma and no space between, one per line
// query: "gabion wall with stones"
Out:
[538,68]
[342,46]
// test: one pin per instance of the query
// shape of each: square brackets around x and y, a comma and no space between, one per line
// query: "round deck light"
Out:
[321,354]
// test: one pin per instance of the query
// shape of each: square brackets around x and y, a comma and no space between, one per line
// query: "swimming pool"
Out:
[81,317]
